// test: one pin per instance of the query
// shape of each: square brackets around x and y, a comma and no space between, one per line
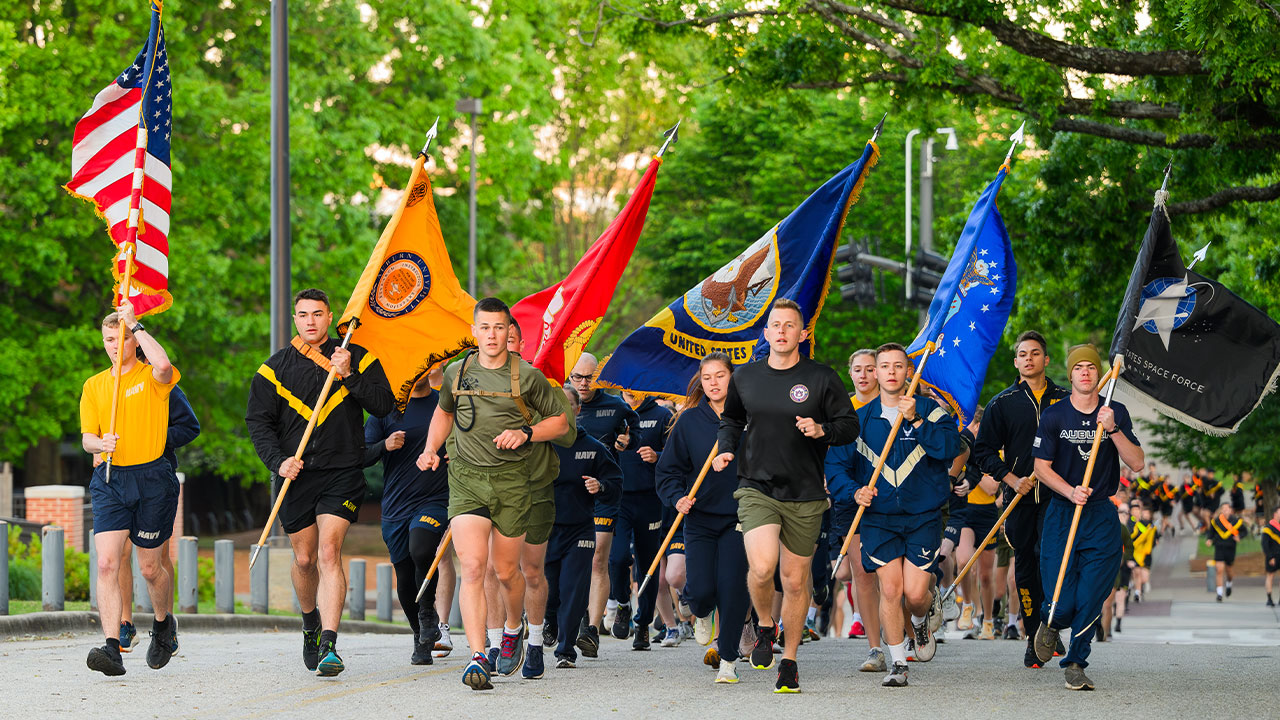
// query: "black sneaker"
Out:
[1270,602]
[330,664]
[564,662]
[1118,624]
[1011,632]
[1059,650]
[311,648]
[1029,659]
[550,635]
[421,650]
[1228,591]
[428,627]
[641,640]
[163,643]
[762,653]
[106,660]
[622,622]
[1076,679]
[589,641]
[788,677]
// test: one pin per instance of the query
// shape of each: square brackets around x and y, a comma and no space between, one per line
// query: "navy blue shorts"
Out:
[955,523]
[142,499]
[606,517]
[886,537]
[841,521]
[677,541]
[980,519]
[395,533]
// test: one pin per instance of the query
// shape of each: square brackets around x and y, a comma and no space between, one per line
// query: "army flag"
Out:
[727,310]
[409,307]
[1193,350]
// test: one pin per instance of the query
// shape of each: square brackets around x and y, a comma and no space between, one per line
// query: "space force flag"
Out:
[1193,350]
[727,310]
[411,312]
[970,307]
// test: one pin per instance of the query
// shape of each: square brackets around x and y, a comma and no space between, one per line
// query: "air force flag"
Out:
[970,307]
[727,310]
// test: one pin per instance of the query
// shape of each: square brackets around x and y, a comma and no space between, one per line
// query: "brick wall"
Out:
[61,505]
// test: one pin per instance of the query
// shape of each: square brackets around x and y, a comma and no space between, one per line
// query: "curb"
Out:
[43,624]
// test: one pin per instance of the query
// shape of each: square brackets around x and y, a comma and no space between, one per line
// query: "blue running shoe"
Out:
[511,654]
[492,658]
[127,633]
[533,666]
[330,664]
[476,674]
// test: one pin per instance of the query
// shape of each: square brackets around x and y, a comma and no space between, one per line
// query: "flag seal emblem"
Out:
[403,282]
[799,393]
[735,296]
[418,192]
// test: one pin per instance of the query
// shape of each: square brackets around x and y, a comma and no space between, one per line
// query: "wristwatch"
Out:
[137,328]
[528,431]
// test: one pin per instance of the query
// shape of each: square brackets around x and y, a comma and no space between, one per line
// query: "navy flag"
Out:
[726,311]
[970,307]
[1193,350]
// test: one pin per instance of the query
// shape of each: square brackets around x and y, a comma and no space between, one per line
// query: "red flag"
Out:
[559,321]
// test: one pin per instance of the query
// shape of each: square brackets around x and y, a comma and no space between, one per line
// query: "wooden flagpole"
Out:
[444,547]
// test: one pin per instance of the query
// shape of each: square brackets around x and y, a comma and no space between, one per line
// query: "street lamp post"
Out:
[926,198]
[471,106]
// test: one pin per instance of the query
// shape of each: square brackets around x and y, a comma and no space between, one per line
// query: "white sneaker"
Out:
[875,661]
[671,638]
[950,608]
[966,618]
[728,673]
[444,645]
[704,629]
[747,642]
[897,677]
[610,615]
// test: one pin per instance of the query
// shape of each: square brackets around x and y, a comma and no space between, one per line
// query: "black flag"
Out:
[1193,350]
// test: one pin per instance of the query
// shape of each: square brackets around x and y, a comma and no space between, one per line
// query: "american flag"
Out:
[120,160]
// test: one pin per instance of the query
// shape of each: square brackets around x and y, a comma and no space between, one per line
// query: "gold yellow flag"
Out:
[409,307]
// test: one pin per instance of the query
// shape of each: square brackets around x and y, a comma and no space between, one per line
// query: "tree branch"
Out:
[880,20]
[1223,198]
[866,38]
[693,21]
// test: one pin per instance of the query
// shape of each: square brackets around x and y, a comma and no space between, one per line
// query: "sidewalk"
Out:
[1181,611]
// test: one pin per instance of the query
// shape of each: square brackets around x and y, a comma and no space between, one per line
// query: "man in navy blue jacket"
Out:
[588,474]
[902,526]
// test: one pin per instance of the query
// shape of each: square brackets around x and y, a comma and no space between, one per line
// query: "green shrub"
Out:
[76,567]
[24,580]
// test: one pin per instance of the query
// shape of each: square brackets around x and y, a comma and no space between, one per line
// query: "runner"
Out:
[1062,447]
[792,409]
[1225,531]
[324,499]
[492,395]
[140,500]
[1271,551]
[979,517]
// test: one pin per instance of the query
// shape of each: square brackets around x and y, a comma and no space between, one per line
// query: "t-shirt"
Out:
[142,417]
[406,489]
[1065,437]
[976,496]
[477,420]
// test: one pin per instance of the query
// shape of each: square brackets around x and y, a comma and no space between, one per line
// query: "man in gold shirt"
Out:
[137,501]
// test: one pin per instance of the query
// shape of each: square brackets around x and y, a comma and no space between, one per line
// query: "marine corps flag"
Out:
[409,308]
[727,310]
[559,321]
[1192,349]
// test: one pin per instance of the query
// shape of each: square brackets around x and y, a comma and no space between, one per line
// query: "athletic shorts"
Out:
[1124,576]
[913,537]
[606,517]
[542,515]
[954,523]
[980,519]
[499,493]
[1166,508]
[337,492]
[142,499]
[1272,563]
[1004,551]
[1225,554]
[676,546]
[433,517]
[841,520]
[1188,504]
[799,522]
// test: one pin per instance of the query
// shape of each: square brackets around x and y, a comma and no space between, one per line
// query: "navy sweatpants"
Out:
[568,571]
[1091,571]
[716,568]
[639,524]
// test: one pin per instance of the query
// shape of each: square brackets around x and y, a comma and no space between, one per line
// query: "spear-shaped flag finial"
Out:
[1168,170]
[672,136]
[431,135]
[1200,255]
[875,134]
[1015,138]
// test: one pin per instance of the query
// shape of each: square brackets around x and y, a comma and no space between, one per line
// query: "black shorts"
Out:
[606,516]
[1225,554]
[1166,508]
[1272,563]
[142,499]
[980,519]
[322,492]
[955,523]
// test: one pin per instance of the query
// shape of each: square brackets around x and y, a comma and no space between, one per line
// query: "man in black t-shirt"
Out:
[792,410]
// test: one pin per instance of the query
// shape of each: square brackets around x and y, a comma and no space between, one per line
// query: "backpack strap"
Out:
[311,353]
[515,391]
[515,387]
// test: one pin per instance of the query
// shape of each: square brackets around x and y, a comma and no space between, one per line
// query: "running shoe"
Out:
[780,640]
[127,633]
[1118,624]
[728,673]
[533,667]
[940,637]
[550,634]
[857,630]
[476,675]
[311,648]
[810,632]
[747,641]
[421,651]
[1045,641]
[1219,597]
[444,645]
[934,616]
[622,622]
[492,657]
[683,606]
[1011,632]
[704,629]
[1270,603]
[711,658]
[511,654]
[428,626]
[330,664]
[966,618]
[875,661]
[762,653]
[671,638]
[1059,650]
[950,608]
[926,648]
[988,631]
[563,662]
[163,644]
[1029,659]
[911,647]
[641,640]
[998,623]
[610,617]
[659,632]
[1228,590]
[589,641]
[897,676]
[106,660]
[1076,679]
[686,631]
[788,677]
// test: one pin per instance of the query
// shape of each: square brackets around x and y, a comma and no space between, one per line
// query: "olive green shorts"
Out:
[542,515]
[1004,551]
[800,522]
[499,493]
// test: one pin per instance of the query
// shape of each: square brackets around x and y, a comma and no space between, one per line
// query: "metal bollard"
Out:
[259,585]
[52,562]
[356,606]
[224,576]
[141,596]
[4,570]
[1211,576]
[188,575]
[384,592]
[93,574]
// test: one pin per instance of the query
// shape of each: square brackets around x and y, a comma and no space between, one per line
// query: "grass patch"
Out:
[1249,544]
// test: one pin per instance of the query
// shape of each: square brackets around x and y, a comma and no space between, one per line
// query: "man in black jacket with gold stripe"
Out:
[328,482]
